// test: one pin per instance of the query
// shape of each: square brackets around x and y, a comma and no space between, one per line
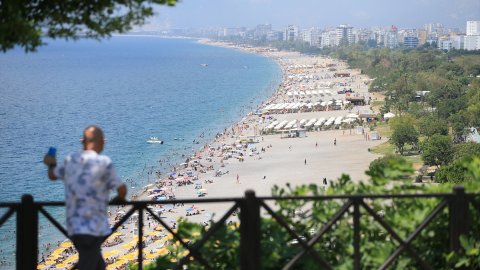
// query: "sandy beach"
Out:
[229,165]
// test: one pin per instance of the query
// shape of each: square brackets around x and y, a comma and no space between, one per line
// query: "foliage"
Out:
[430,126]
[453,173]
[307,217]
[473,108]
[24,23]
[403,132]
[457,172]
[437,150]
[465,150]
[387,168]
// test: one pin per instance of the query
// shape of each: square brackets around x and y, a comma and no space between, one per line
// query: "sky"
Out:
[319,13]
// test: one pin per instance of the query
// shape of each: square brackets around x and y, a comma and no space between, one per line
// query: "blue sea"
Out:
[134,87]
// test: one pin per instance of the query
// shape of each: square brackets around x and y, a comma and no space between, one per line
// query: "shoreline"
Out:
[275,160]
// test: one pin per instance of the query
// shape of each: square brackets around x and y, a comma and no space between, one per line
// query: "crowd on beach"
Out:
[208,166]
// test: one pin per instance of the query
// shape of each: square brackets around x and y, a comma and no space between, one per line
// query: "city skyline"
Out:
[280,13]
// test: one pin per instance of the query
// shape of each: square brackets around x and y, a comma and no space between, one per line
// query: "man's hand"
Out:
[49,160]
[118,200]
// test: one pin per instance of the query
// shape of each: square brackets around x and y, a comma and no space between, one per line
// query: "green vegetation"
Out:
[435,95]
[403,133]
[437,150]
[336,245]
[25,23]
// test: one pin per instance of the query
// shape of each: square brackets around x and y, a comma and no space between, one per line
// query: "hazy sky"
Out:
[321,13]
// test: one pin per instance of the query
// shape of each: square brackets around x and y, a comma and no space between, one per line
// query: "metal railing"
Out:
[458,204]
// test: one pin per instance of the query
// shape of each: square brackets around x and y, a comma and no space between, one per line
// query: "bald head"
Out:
[93,139]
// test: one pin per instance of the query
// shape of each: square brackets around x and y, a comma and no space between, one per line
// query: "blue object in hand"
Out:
[52,151]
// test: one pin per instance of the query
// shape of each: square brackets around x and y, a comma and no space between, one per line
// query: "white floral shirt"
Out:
[88,178]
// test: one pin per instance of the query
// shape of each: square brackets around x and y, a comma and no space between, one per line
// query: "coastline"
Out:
[284,160]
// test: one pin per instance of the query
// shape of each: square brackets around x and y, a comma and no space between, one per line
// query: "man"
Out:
[88,178]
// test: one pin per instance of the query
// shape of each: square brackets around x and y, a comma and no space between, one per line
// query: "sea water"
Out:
[134,87]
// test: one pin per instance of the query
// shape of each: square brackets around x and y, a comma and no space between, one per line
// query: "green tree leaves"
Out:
[437,150]
[404,132]
[25,23]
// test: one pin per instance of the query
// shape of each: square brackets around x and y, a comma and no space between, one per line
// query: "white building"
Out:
[472,39]
[445,45]
[391,38]
[458,42]
[344,35]
[291,33]
[473,28]
[328,39]
[312,36]
[472,43]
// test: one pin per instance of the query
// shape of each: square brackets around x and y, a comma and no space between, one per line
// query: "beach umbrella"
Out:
[151,233]
[162,251]
[151,256]
[116,264]
[61,265]
[111,253]
[190,209]
[41,266]
[71,258]
[66,244]
[129,256]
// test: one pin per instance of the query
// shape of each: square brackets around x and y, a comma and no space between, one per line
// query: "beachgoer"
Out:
[335,142]
[238,179]
[316,144]
[305,161]
[324,181]
[88,178]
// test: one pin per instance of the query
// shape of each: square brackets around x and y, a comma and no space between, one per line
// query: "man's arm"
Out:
[51,162]
[121,194]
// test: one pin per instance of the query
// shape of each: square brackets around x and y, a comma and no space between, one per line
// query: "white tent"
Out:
[388,115]
[319,122]
[351,115]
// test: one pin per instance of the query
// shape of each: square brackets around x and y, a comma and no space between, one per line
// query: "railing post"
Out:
[140,238]
[250,258]
[27,234]
[357,256]
[458,217]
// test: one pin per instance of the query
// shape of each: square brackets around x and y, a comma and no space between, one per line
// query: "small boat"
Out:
[204,65]
[154,140]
